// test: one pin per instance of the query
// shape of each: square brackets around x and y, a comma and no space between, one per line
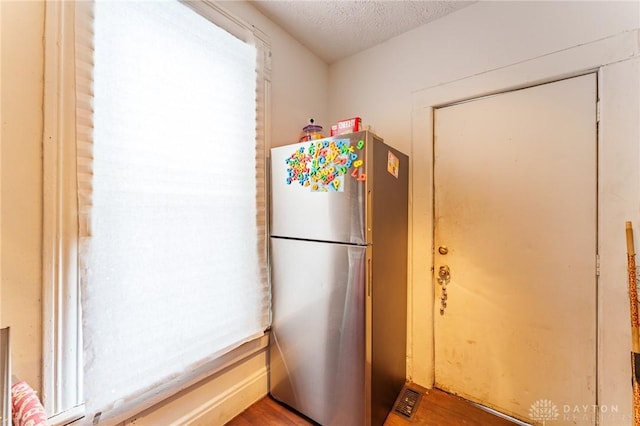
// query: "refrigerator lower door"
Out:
[317,359]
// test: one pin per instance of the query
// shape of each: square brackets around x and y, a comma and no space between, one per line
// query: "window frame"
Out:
[62,366]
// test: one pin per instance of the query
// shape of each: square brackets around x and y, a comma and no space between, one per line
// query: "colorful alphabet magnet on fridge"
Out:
[322,165]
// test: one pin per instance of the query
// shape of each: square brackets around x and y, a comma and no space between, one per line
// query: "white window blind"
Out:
[171,197]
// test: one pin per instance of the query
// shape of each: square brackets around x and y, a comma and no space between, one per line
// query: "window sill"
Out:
[128,411]
[67,417]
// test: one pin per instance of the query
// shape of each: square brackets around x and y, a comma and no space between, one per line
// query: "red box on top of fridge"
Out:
[350,125]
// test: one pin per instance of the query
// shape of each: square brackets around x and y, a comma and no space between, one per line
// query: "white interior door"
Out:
[515,178]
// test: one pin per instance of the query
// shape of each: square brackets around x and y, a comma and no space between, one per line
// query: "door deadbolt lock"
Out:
[443,250]
[444,276]
[444,273]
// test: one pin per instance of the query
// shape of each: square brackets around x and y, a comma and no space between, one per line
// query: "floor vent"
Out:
[407,403]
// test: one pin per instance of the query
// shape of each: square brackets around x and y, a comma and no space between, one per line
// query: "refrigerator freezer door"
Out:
[317,343]
[318,189]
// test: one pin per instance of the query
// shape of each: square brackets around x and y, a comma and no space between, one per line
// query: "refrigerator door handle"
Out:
[369,277]
[369,218]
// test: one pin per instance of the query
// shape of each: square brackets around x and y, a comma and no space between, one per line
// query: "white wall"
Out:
[619,201]
[22,52]
[1,322]
[299,90]
[377,84]
[497,45]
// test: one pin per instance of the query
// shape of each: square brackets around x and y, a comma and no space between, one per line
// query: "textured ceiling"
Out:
[336,29]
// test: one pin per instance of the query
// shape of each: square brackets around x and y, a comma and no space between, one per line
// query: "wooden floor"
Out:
[435,408]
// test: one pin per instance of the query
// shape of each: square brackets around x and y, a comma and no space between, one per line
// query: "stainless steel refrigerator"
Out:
[338,247]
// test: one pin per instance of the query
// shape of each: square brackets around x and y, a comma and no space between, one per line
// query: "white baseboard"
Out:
[213,401]
[229,404]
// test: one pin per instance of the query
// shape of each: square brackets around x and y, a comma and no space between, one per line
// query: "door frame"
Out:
[615,60]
